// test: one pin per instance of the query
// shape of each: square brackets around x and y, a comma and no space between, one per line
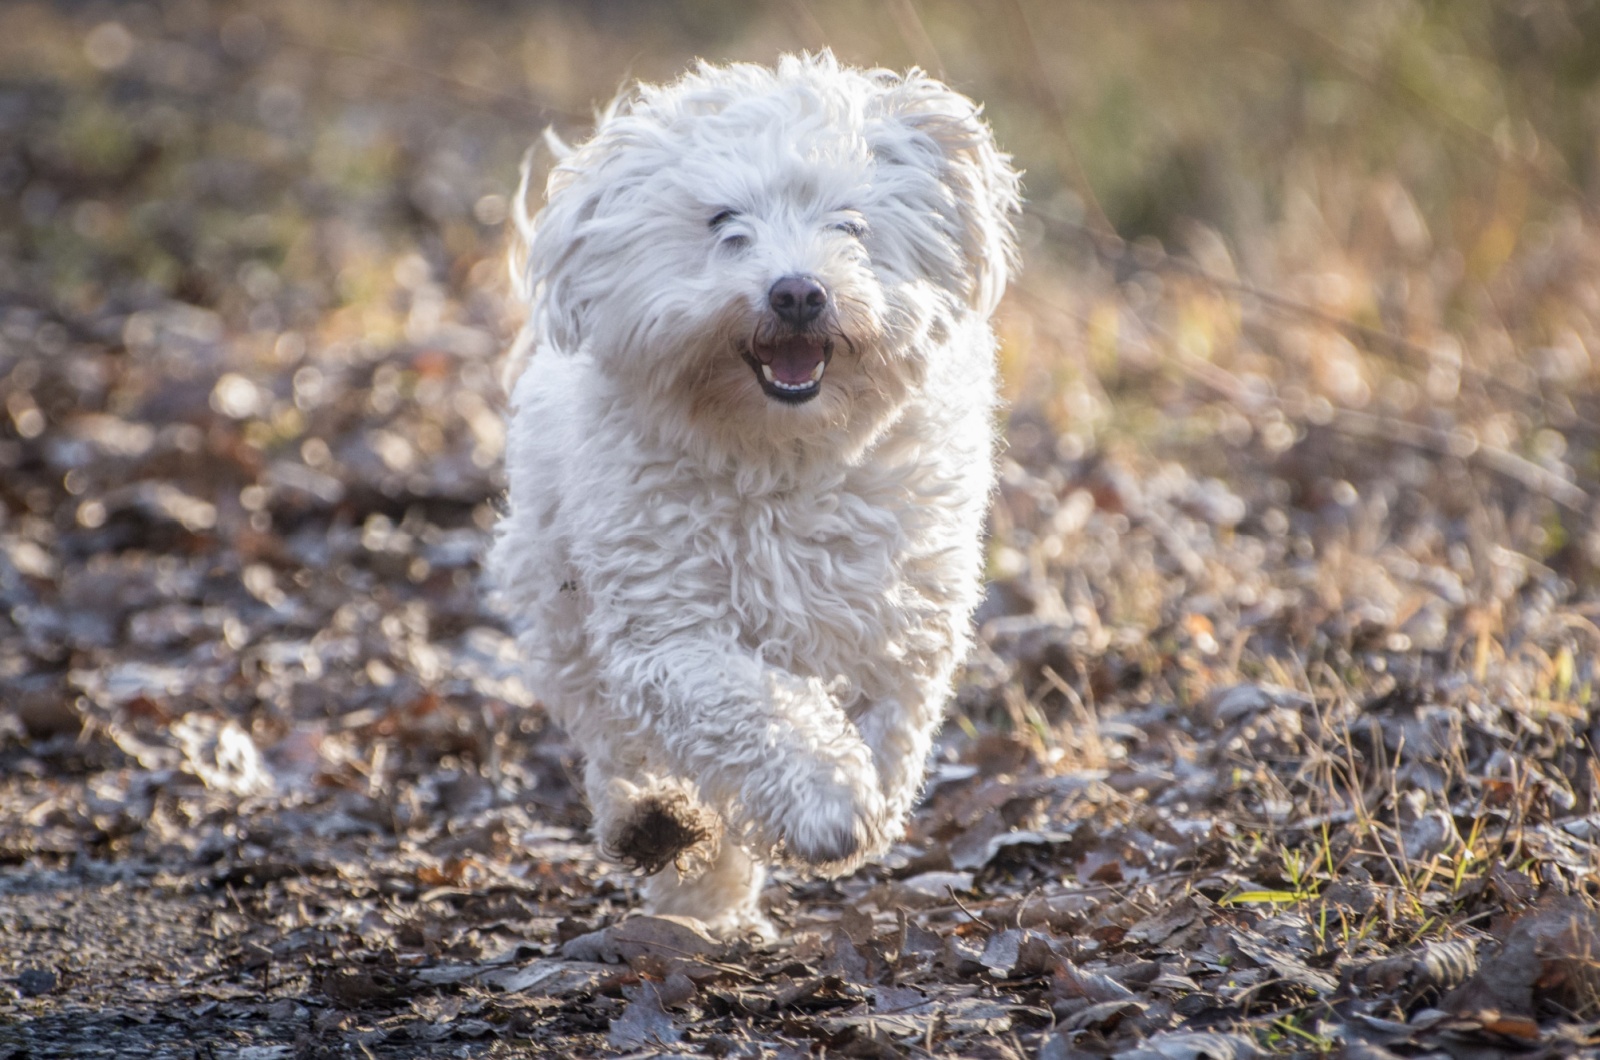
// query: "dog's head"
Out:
[767,256]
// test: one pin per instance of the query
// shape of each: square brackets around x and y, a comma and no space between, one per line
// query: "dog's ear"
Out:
[974,193]
[548,276]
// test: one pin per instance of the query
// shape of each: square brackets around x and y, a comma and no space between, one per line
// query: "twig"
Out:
[1445,443]
[1113,250]
[970,914]
[914,32]
[1365,425]
[1046,97]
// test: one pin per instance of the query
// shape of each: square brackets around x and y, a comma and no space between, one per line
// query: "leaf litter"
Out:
[1289,755]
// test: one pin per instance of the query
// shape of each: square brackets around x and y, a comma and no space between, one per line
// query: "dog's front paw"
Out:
[833,828]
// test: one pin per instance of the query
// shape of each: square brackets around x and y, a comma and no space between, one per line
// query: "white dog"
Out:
[750,456]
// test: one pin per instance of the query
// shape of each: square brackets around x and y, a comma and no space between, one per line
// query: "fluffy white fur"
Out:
[747,611]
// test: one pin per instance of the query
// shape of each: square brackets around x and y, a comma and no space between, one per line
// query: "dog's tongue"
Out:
[794,361]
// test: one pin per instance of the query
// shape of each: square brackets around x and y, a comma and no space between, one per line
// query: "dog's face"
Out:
[761,257]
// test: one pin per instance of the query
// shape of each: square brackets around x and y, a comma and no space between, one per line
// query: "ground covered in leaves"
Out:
[1279,739]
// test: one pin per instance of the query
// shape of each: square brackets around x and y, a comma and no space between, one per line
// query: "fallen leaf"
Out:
[1072,981]
[548,977]
[1548,952]
[1016,953]
[659,939]
[1194,1045]
[644,1023]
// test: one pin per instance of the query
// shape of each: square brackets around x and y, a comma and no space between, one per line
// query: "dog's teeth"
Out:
[766,373]
[816,373]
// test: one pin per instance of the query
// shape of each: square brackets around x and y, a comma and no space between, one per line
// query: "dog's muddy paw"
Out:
[661,830]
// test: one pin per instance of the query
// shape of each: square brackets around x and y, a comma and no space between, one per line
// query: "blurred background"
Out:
[1300,356]
[1300,361]
[1303,396]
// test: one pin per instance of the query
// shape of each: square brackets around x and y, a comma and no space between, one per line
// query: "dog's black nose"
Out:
[798,300]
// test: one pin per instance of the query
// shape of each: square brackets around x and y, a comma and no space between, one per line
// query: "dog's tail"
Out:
[523,218]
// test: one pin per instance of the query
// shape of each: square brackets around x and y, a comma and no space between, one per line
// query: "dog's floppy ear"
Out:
[554,243]
[976,194]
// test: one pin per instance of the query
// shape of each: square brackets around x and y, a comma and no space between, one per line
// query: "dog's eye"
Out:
[733,240]
[853,228]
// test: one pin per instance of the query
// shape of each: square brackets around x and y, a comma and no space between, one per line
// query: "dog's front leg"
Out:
[774,753]
[900,739]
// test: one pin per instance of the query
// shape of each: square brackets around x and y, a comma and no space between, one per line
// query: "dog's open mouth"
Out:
[791,369]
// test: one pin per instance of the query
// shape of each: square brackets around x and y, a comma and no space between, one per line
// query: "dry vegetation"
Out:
[1281,738]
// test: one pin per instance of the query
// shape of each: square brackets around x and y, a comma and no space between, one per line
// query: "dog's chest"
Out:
[811,578]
